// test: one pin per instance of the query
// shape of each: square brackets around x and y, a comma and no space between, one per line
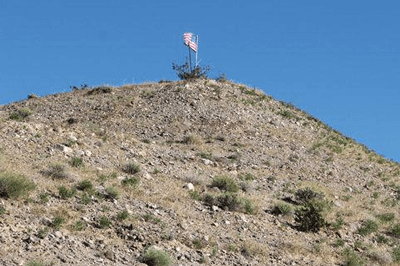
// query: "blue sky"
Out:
[337,60]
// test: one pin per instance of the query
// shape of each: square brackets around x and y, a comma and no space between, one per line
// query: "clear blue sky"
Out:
[337,60]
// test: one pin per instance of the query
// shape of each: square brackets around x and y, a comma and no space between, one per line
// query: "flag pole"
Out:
[190,60]
[197,43]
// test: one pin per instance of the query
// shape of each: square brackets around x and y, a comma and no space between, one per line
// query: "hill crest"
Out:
[182,136]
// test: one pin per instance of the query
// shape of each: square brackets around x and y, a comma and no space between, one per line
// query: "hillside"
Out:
[202,172]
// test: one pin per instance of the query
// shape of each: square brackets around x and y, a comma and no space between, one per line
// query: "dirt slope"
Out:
[202,172]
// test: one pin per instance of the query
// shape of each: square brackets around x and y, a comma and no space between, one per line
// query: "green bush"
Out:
[76,162]
[57,222]
[15,186]
[85,199]
[395,230]
[112,192]
[79,225]
[310,216]
[66,193]
[43,232]
[352,259]
[123,215]
[44,197]
[20,114]
[104,222]
[85,185]
[386,217]
[226,201]
[305,195]
[131,168]
[282,208]
[368,227]
[248,206]
[195,195]
[2,210]
[131,182]
[396,254]
[338,224]
[339,242]
[154,257]
[185,73]
[57,171]
[225,183]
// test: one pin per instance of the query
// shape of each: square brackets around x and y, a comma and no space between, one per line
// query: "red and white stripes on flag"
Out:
[193,46]
[187,37]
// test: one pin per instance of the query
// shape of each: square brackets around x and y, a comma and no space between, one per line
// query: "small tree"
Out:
[185,73]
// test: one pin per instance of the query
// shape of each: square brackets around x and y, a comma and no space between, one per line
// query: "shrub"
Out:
[104,222]
[221,78]
[76,162]
[57,171]
[339,242]
[100,89]
[225,183]
[131,182]
[305,195]
[395,230]
[282,208]
[112,192]
[198,243]
[66,193]
[248,206]
[44,197]
[185,73]
[57,222]
[79,225]
[368,227]
[338,224]
[20,114]
[195,195]
[247,177]
[15,185]
[310,216]
[123,215]
[131,168]
[43,232]
[352,259]
[85,199]
[386,217]
[396,254]
[381,239]
[207,156]
[154,257]
[85,185]
[2,210]
[191,139]
[226,201]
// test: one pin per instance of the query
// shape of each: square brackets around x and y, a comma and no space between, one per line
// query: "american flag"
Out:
[193,46]
[187,37]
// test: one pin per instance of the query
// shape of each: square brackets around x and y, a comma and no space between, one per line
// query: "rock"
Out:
[189,186]
[109,254]
[338,204]
[214,208]
[88,153]
[207,162]
[46,221]
[64,149]
[147,176]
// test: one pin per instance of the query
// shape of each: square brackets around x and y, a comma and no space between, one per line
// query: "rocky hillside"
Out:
[188,173]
